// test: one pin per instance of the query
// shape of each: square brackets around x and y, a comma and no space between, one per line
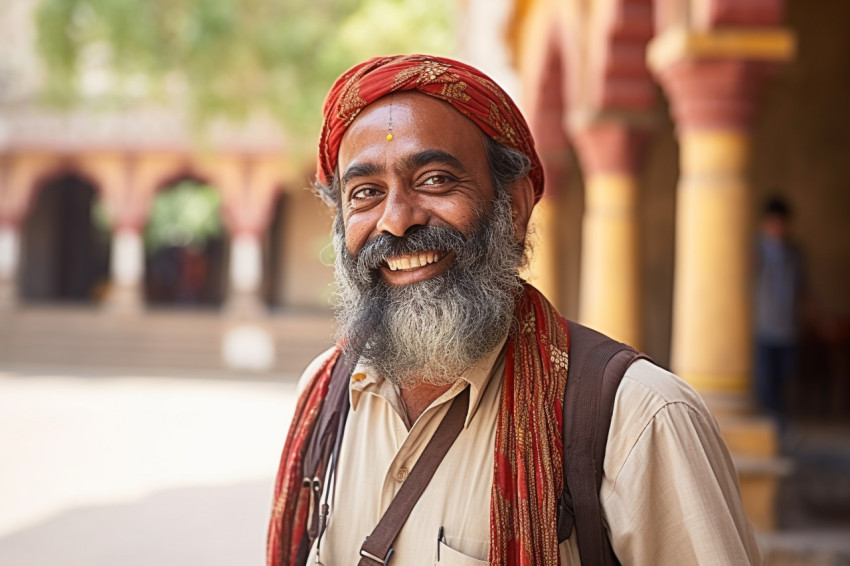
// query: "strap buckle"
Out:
[368,555]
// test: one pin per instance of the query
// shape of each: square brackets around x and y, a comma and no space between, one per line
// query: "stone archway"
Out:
[185,246]
[65,252]
[273,242]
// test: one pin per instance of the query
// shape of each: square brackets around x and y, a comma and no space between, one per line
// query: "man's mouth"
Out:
[413,261]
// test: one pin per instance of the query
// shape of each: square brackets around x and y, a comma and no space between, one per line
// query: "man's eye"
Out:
[364,193]
[437,180]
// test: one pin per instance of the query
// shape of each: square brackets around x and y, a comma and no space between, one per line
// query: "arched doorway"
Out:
[65,250]
[185,247]
[273,254]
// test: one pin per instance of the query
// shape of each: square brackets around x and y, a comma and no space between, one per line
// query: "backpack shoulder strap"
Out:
[323,448]
[597,365]
[333,408]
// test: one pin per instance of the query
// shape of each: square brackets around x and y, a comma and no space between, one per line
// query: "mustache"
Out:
[419,239]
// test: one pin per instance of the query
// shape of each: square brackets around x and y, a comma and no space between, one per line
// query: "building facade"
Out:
[77,186]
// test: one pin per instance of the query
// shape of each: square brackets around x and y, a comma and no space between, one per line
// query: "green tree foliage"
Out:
[229,58]
[187,214]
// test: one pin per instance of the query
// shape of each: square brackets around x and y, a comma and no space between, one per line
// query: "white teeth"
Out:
[412,261]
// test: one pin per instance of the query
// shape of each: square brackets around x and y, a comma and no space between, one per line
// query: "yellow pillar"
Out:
[713,81]
[609,292]
[609,300]
[711,305]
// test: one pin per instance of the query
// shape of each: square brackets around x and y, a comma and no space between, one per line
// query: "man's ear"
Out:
[522,202]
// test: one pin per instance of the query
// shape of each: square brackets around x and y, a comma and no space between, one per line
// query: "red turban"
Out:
[468,90]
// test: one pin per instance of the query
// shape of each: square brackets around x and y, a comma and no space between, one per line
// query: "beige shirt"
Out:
[669,492]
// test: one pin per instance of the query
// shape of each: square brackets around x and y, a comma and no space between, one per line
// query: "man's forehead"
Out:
[411,110]
[416,122]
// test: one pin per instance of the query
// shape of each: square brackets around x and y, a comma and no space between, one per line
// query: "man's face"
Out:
[427,250]
[775,227]
[434,172]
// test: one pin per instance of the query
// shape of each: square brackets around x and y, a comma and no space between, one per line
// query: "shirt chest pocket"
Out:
[447,556]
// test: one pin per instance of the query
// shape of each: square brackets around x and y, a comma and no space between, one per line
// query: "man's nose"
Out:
[402,211]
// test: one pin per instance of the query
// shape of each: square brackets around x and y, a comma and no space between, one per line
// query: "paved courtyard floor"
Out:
[111,468]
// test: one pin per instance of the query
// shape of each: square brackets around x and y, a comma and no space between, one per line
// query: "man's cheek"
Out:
[352,246]
[356,235]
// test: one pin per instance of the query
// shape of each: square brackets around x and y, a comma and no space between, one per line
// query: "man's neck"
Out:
[417,399]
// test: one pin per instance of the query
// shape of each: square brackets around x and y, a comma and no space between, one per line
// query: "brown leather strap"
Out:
[597,365]
[377,548]
[322,450]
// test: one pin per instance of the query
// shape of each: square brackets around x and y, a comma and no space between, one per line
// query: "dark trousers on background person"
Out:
[775,363]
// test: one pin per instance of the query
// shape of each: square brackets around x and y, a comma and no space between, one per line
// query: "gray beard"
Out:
[430,331]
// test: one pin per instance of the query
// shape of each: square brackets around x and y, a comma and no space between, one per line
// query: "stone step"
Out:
[67,336]
[750,435]
[811,547]
[752,440]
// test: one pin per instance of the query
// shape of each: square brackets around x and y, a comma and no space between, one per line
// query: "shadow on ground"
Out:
[213,526]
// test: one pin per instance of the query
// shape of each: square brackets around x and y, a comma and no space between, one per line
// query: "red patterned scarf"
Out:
[528,459]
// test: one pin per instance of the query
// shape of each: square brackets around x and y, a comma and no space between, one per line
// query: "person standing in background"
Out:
[779,290]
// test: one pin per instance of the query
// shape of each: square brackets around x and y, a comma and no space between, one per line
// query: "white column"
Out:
[246,263]
[246,275]
[127,266]
[128,257]
[10,250]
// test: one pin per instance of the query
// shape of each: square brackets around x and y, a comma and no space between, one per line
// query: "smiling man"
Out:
[432,433]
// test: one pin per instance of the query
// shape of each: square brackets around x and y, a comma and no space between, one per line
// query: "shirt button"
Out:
[358,376]
[401,474]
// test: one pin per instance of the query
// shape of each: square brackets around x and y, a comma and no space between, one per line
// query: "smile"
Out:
[413,261]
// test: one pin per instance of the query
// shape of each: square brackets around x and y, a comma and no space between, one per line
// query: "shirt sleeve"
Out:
[670,491]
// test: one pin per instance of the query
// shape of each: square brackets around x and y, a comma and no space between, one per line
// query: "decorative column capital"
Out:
[248,215]
[10,221]
[127,221]
[714,79]
[556,168]
[610,147]
[244,224]
[718,94]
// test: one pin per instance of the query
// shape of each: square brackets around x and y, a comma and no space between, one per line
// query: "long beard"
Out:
[433,330]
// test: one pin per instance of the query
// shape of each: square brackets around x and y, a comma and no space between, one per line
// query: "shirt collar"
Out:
[364,379]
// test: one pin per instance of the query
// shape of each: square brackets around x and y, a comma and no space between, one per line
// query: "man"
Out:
[779,298]
[433,175]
